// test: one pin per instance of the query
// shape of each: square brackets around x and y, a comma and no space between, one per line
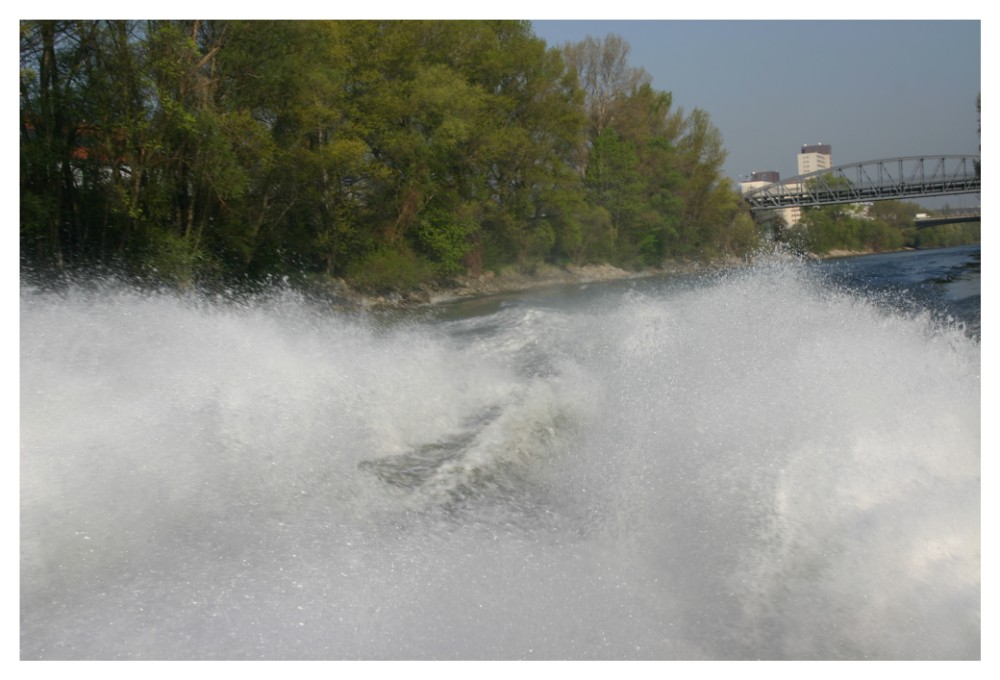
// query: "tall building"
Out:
[762,178]
[814,157]
[758,179]
[765,176]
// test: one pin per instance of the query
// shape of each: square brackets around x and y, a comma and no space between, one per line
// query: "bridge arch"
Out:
[878,180]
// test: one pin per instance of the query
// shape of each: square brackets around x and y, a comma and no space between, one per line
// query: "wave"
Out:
[754,464]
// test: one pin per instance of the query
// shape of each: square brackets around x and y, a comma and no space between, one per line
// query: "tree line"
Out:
[386,152]
[877,227]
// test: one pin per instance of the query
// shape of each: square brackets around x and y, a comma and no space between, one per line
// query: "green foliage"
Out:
[390,152]
[389,269]
[596,236]
[614,183]
[944,235]
[173,259]
[444,236]
[884,226]
[897,214]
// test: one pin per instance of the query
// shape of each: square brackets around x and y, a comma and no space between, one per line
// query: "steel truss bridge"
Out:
[881,180]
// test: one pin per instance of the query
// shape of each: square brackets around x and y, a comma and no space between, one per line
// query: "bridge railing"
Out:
[872,181]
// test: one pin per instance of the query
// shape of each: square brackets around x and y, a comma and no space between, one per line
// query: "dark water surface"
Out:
[945,280]
[777,462]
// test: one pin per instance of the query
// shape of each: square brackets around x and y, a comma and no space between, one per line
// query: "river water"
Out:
[777,462]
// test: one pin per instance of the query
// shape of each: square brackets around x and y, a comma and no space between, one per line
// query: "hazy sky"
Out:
[871,89]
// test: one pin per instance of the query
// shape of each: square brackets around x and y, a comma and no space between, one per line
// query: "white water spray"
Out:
[760,467]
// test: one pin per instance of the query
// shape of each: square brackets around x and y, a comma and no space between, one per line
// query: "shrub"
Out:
[389,269]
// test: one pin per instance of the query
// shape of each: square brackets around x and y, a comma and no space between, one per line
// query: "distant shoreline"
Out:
[343,294]
[546,275]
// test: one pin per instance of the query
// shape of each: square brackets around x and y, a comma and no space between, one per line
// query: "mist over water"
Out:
[760,464]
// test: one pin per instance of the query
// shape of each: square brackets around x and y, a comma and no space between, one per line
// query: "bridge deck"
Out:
[879,180]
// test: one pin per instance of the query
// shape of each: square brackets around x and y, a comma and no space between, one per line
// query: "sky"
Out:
[870,89]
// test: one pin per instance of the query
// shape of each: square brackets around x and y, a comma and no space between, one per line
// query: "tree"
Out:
[897,214]
[700,156]
[615,184]
[678,202]
[54,57]
[604,74]
[387,151]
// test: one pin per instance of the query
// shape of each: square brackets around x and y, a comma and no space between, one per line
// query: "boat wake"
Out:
[753,464]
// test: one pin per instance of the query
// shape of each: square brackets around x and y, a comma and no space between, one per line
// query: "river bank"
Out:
[513,280]
[510,280]
[858,253]
[343,294]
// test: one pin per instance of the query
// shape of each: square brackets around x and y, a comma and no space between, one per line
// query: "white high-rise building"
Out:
[814,157]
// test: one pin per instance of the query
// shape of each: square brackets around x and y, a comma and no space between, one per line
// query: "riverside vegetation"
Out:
[390,154]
